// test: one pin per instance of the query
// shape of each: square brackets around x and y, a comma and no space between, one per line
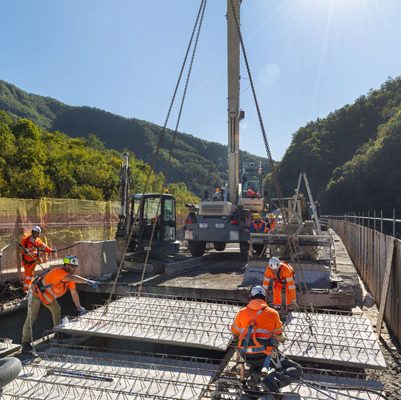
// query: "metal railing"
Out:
[372,219]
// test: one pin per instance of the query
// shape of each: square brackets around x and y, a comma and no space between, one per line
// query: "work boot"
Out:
[254,380]
[26,348]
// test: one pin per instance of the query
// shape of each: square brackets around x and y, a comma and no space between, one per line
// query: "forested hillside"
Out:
[352,157]
[198,163]
[37,163]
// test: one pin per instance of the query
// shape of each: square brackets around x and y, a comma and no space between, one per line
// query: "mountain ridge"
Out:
[198,163]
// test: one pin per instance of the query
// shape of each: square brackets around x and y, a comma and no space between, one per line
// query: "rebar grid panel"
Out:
[101,376]
[315,385]
[167,320]
[332,338]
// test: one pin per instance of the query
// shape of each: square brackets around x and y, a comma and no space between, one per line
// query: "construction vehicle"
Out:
[226,217]
[142,214]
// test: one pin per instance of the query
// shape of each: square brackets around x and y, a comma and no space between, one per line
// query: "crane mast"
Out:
[233,73]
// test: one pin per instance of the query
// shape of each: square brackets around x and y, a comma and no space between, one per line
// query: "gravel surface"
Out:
[390,377]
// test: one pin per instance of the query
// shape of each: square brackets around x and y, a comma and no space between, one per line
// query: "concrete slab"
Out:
[162,320]
[332,339]
[66,373]
[316,275]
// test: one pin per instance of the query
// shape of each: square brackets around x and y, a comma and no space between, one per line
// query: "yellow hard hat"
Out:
[256,216]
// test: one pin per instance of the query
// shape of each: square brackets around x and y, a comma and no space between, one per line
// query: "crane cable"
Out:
[156,151]
[268,152]
[200,22]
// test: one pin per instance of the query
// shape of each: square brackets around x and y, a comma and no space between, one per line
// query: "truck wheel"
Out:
[244,249]
[219,246]
[196,248]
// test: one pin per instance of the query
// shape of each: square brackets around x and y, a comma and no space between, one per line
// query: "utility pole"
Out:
[233,69]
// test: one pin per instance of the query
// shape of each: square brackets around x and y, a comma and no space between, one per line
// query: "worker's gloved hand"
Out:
[81,310]
[93,284]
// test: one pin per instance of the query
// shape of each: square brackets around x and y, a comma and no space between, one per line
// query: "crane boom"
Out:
[233,73]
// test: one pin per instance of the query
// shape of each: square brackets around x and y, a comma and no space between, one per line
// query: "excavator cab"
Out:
[158,210]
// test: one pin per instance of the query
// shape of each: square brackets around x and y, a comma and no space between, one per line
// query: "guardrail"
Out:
[374,220]
[377,257]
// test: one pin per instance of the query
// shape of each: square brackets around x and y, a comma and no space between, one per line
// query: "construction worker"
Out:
[280,273]
[257,224]
[271,220]
[32,245]
[47,288]
[258,329]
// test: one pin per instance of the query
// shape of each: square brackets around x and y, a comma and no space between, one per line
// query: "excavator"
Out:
[140,215]
[226,218]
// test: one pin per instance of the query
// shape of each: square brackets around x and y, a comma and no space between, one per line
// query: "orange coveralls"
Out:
[284,276]
[255,325]
[29,261]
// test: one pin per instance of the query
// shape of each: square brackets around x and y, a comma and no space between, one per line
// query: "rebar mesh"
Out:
[333,338]
[168,320]
[84,374]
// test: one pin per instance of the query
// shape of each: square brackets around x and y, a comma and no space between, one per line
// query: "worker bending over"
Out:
[47,288]
[279,273]
[257,224]
[258,329]
[32,245]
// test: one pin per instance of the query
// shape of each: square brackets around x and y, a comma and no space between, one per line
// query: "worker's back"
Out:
[257,321]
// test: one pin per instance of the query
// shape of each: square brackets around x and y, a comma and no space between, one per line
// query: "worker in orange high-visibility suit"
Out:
[47,288]
[32,246]
[280,274]
[258,329]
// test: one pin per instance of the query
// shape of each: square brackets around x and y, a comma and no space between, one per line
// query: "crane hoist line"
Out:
[131,231]
[225,217]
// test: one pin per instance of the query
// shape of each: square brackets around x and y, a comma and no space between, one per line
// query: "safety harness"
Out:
[249,333]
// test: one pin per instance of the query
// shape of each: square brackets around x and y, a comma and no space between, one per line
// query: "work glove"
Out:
[81,310]
[93,284]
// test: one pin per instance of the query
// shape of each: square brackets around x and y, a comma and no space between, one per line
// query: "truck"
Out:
[226,217]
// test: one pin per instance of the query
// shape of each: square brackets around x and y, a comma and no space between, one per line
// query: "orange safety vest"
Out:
[52,285]
[285,276]
[255,325]
[33,246]
[258,228]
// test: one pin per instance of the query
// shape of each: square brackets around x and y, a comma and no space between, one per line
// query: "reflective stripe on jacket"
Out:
[255,326]
[284,276]
[52,285]
[33,246]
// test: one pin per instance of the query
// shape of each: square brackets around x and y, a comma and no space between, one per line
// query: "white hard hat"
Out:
[71,260]
[258,290]
[37,229]
[274,263]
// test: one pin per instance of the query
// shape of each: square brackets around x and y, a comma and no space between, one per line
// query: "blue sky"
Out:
[308,57]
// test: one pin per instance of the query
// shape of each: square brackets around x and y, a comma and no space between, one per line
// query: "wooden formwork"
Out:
[370,251]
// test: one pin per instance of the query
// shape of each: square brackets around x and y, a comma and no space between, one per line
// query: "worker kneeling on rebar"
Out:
[47,288]
[259,329]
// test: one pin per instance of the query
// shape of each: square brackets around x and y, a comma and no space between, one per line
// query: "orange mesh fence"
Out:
[63,222]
